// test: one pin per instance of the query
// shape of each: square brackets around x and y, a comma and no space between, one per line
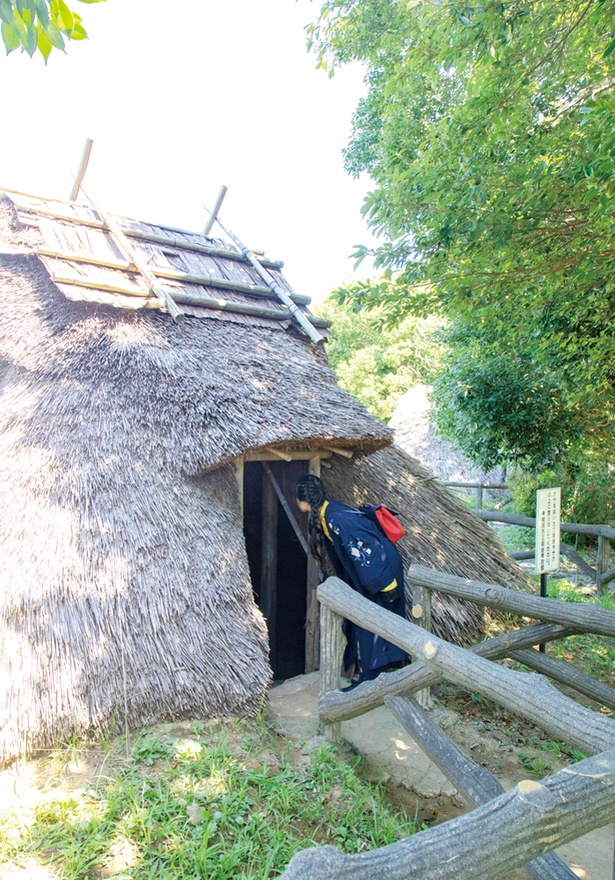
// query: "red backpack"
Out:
[385,519]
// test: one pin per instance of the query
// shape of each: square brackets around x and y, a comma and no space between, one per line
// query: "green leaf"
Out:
[92,1]
[6,12]
[54,36]
[10,37]
[609,49]
[78,33]
[30,39]
[62,16]
[44,43]
[42,11]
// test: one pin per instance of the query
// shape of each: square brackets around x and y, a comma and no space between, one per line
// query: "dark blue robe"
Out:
[364,558]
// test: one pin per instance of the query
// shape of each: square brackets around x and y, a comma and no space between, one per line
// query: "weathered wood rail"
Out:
[530,820]
[601,573]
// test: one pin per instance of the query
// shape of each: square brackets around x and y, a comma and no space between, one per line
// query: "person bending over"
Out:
[364,558]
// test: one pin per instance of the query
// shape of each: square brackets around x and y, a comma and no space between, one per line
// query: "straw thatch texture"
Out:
[124,571]
[441,532]
[417,437]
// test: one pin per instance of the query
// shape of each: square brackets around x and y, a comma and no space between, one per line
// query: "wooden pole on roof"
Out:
[214,213]
[165,299]
[277,289]
[82,168]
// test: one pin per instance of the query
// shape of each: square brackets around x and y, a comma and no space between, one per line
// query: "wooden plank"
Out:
[264,456]
[602,561]
[239,476]
[313,579]
[332,644]
[269,563]
[567,674]
[492,840]
[573,528]
[286,509]
[337,706]
[585,617]
[475,783]
[421,615]
[530,696]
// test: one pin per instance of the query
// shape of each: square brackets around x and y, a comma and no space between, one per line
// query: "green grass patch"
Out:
[228,801]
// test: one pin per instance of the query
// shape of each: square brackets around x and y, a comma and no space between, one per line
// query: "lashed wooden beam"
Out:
[302,320]
[174,274]
[180,296]
[82,169]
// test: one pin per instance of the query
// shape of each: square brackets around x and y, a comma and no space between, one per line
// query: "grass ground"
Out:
[218,799]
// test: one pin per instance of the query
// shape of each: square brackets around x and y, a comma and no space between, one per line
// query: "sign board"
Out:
[548,504]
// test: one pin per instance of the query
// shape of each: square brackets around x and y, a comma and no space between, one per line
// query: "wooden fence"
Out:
[601,574]
[531,819]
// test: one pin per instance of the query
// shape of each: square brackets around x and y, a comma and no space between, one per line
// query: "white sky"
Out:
[181,98]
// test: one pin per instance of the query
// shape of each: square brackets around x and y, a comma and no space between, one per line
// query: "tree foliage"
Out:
[489,133]
[374,362]
[40,25]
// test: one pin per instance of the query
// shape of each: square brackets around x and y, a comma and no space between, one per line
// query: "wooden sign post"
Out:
[548,507]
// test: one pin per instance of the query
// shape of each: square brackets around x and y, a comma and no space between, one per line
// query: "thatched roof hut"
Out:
[416,435]
[132,586]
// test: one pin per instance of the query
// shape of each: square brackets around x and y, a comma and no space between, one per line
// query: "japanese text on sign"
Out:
[548,504]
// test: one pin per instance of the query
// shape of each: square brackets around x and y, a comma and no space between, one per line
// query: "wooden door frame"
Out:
[312,613]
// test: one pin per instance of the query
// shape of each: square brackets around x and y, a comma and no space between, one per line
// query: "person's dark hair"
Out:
[310,489]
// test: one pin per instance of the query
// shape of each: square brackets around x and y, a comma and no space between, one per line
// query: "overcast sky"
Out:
[182,98]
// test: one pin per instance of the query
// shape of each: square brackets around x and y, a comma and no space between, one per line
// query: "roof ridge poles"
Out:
[113,227]
[266,276]
[82,168]
[165,300]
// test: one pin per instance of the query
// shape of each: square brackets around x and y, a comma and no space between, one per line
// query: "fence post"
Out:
[332,643]
[421,613]
[479,497]
[602,561]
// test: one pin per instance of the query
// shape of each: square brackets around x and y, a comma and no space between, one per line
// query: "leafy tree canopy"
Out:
[39,25]
[489,133]
[374,362]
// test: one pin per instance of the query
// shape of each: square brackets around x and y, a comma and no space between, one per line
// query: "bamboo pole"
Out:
[214,213]
[166,302]
[82,169]
[174,275]
[296,313]
[169,241]
[348,454]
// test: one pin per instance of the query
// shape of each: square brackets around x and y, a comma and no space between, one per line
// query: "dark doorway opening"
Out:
[278,563]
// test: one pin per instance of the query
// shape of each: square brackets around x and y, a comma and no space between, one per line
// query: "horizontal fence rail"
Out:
[523,823]
[601,574]
[529,820]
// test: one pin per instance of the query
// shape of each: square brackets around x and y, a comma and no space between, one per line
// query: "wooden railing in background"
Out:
[529,820]
[601,574]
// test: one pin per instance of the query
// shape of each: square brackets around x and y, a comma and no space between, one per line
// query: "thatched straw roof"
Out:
[124,574]
[415,434]
[125,587]
[440,532]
